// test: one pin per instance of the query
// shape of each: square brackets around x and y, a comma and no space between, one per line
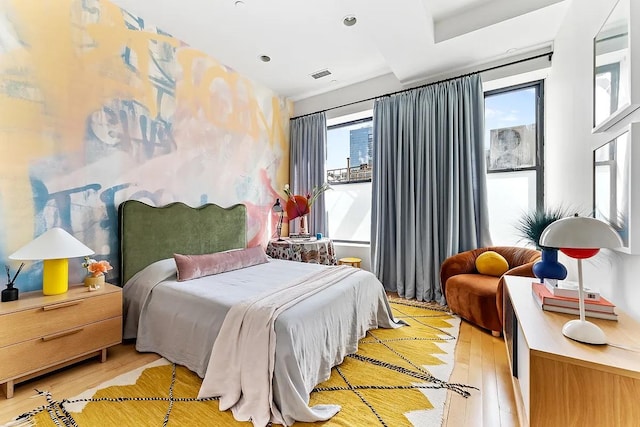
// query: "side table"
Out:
[307,250]
[40,333]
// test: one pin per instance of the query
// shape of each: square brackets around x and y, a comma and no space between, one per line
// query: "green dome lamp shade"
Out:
[54,247]
[581,238]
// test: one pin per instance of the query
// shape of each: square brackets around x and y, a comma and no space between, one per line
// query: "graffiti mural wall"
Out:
[97,107]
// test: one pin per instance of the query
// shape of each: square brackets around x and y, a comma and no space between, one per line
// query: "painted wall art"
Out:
[98,107]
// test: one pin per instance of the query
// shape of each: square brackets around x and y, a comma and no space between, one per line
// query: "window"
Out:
[348,171]
[349,149]
[514,153]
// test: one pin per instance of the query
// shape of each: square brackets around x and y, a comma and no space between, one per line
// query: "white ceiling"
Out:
[412,39]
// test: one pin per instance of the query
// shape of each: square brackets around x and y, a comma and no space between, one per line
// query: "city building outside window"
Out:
[349,149]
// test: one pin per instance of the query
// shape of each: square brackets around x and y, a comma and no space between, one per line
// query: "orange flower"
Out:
[96,268]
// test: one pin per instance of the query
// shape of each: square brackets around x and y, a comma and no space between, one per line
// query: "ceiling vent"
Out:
[320,74]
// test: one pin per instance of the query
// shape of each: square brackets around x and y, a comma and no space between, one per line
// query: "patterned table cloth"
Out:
[313,251]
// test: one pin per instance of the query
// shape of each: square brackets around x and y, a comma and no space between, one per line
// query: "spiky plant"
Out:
[532,224]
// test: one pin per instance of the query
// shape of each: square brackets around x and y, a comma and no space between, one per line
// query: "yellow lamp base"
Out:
[55,276]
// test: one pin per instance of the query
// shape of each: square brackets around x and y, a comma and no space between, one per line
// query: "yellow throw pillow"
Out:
[491,263]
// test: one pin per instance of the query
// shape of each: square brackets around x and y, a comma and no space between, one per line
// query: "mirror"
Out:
[614,96]
[613,174]
[611,184]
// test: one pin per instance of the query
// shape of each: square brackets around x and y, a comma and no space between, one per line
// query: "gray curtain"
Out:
[308,152]
[429,186]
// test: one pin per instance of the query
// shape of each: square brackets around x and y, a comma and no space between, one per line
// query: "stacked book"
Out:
[565,288]
[600,308]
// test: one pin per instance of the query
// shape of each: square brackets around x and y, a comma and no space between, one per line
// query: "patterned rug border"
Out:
[431,305]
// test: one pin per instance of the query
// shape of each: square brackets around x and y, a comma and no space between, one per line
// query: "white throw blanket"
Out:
[242,361]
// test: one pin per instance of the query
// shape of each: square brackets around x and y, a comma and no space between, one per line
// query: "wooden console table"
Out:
[561,382]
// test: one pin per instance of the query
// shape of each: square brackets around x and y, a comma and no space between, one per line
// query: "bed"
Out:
[184,321]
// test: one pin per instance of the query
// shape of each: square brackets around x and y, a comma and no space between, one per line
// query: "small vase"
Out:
[9,294]
[93,281]
[549,267]
[303,225]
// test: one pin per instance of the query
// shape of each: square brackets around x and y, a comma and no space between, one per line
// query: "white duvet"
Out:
[182,320]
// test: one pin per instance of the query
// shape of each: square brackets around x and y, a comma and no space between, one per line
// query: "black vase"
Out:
[9,294]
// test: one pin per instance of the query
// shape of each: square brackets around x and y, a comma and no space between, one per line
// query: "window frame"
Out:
[538,85]
[367,119]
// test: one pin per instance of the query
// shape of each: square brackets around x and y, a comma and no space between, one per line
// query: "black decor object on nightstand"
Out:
[11,293]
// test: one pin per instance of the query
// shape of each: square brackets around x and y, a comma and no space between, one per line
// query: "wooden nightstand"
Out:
[39,333]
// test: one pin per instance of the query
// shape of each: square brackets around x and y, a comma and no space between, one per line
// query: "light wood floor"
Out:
[481,361]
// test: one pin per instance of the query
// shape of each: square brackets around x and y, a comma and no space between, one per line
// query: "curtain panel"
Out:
[308,153]
[429,184]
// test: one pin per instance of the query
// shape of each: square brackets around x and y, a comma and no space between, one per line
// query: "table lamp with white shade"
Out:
[581,237]
[54,247]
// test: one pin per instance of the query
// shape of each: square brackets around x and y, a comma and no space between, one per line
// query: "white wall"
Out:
[569,146]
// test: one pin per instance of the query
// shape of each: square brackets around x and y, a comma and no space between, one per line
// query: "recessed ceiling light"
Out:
[350,20]
[265,58]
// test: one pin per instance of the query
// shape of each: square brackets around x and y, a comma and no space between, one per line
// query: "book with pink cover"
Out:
[602,305]
[574,311]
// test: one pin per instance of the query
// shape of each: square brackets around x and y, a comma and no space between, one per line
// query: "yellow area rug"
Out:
[397,378]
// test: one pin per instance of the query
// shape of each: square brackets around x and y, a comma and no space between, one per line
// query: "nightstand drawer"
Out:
[58,316]
[52,349]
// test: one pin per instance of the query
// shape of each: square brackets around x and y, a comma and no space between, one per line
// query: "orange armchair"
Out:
[477,297]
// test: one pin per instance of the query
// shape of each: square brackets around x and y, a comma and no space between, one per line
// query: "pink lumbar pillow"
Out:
[194,266]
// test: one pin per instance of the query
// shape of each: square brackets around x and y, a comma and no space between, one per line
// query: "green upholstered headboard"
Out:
[149,234]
